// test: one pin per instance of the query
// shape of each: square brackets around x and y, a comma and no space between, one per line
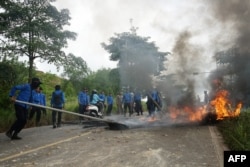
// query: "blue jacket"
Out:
[109,99]
[53,103]
[43,99]
[36,97]
[102,97]
[137,97]
[127,98]
[155,96]
[83,98]
[24,93]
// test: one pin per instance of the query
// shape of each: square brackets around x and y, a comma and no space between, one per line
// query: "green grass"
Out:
[236,132]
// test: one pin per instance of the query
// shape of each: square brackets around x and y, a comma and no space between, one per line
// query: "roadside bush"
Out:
[6,119]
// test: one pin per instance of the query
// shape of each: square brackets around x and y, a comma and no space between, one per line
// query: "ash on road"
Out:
[76,146]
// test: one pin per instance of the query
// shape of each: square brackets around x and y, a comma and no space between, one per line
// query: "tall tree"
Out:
[138,59]
[34,28]
[76,70]
[114,78]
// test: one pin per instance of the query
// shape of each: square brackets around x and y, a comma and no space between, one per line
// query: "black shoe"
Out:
[8,134]
[15,137]
[54,126]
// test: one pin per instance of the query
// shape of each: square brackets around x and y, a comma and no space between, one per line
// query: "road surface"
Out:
[92,146]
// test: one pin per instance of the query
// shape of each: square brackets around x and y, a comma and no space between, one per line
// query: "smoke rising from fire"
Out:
[229,49]
[234,58]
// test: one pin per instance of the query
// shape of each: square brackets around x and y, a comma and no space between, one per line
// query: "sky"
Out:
[164,21]
[193,31]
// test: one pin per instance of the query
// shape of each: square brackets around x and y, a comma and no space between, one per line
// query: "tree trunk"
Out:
[31,62]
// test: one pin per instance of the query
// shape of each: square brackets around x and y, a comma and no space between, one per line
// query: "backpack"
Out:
[58,98]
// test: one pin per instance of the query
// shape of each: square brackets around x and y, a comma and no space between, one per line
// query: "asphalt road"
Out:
[91,146]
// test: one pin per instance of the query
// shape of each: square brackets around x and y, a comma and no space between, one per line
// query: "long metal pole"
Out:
[64,111]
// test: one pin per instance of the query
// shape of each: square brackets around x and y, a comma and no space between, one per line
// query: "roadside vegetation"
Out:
[236,131]
[70,87]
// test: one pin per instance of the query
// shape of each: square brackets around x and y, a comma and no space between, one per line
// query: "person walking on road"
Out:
[118,101]
[36,99]
[21,110]
[110,104]
[206,98]
[150,105]
[138,106]
[57,101]
[83,102]
[126,100]
[43,100]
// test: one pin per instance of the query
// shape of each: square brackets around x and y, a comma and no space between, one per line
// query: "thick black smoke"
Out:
[233,70]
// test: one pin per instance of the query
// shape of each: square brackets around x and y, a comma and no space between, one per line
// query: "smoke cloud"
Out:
[234,59]
[229,49]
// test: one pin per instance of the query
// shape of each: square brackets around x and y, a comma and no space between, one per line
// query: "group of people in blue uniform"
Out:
[100,100]
[125,102]
[132,102]
[32,93]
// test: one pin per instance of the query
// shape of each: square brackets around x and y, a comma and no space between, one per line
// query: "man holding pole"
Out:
[25,94]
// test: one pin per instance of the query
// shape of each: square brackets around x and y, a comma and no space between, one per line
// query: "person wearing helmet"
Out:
[25,95]
[95,99]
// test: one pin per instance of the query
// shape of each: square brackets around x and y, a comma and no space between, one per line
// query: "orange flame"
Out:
[220,104]
[191,114]
[223,107]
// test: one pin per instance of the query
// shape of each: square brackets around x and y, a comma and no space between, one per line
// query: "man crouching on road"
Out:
[25,92]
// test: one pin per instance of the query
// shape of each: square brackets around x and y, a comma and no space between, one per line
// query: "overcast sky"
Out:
[95,21]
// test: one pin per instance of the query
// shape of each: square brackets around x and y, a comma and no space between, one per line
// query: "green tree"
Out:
[34,29]
[114,78]
[106,80]
[102,81]
[138,59]
[76,70]
[11,73]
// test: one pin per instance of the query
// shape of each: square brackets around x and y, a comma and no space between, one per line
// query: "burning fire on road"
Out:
[219,108]
[223,106]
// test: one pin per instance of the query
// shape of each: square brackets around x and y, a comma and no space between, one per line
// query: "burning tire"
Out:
[209,118]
